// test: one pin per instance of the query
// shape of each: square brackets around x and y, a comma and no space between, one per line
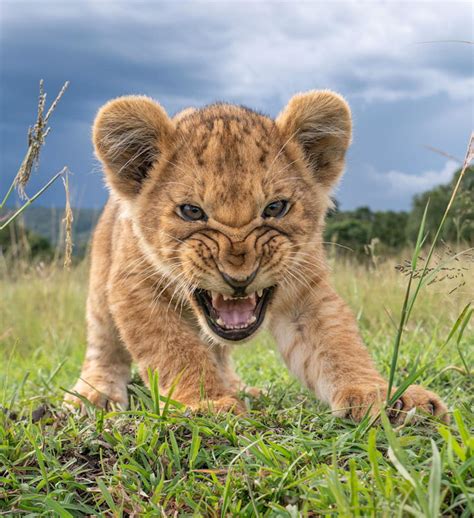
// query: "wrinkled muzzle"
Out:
[233,291]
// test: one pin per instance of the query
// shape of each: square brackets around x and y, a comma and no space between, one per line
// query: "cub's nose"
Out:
[239,285]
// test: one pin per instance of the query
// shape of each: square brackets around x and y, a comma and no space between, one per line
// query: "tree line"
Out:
[391,231]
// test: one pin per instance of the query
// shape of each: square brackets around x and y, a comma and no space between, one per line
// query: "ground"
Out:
[287,457]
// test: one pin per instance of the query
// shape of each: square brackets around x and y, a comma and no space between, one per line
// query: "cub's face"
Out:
[227,203]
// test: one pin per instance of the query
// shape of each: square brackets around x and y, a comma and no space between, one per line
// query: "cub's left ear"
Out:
[320,122]
[130,135]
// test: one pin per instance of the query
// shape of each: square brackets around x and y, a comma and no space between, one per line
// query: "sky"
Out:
[404,67]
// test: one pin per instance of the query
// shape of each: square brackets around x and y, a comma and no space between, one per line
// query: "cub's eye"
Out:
[192,212]
[276,209]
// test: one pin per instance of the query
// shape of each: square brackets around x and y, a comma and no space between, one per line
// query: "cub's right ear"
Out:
[130,134]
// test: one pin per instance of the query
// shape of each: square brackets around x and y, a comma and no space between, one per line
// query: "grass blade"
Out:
[434,485]
[404,314]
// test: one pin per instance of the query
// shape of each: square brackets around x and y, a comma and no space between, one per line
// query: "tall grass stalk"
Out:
[409,301]
[67,222]
[36,138]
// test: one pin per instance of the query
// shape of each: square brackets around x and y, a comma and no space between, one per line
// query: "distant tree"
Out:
[17,241]
[390,228]
[349,232]
[363,214]
[459,226]
[359,227]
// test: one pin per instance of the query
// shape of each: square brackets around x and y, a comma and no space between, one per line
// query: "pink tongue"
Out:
[234,312]
[235,317]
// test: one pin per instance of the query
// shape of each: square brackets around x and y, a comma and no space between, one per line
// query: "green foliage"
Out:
[46,221]
[358,228]
[45,224]
[395,230]
[17,241]
[459,227]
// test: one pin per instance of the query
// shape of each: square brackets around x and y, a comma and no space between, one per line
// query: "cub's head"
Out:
[226,202]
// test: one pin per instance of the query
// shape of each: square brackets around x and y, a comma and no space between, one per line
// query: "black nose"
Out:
[239,285]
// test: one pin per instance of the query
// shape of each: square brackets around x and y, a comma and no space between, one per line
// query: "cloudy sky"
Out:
[401,65]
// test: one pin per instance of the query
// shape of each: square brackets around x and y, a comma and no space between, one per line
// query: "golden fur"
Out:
[147,261]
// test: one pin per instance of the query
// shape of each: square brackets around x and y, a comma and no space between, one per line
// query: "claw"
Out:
[394,411]
[398,405]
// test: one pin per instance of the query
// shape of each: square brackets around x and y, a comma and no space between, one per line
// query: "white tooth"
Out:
[260,293]
[214,296]
[226,297]
[251,320]
[220,322]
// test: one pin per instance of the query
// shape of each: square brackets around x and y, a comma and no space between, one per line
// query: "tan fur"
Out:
[147,261]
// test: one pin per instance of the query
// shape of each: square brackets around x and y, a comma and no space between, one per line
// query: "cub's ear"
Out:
[130,134]
[320,122]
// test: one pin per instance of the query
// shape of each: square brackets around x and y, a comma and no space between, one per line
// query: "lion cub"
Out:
[213,231]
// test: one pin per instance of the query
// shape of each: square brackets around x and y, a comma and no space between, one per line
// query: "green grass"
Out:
[287,457]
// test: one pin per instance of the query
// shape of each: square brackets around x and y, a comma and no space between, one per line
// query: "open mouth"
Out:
[234,318]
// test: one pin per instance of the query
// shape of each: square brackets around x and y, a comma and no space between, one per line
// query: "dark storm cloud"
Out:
[404,93]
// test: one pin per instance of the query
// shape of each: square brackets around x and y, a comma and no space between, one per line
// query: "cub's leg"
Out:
[231,378]
[106,369]
[160,338]
[320,343]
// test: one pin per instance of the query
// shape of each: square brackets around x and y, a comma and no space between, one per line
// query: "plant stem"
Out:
[467,161]
[408,302]
[398,338]
[33,198]
[10,190]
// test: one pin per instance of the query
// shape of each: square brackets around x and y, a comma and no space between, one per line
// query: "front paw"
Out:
[220,405]
[242,389]
[99,393]
[356,401]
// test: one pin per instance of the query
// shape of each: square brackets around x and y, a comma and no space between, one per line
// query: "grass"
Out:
[37,135]
[287,457]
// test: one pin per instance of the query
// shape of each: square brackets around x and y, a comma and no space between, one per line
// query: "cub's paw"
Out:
[221,405]
[426,401]
[239,387]
[254,392]
[99,394]
[355,401]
